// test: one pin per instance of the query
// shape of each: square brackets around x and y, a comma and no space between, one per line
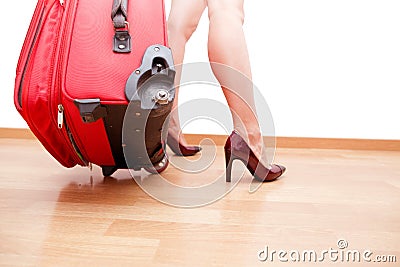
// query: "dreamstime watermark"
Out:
[206,109]
[339,254]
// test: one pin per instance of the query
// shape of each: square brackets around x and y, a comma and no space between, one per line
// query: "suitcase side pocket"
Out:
[26,52]
[34,82]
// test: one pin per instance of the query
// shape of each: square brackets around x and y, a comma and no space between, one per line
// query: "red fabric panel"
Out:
[94,70]
[91,138]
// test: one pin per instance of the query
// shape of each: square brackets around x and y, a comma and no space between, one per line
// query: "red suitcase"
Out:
[83,66]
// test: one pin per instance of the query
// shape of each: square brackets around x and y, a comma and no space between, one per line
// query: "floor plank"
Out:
[52,216]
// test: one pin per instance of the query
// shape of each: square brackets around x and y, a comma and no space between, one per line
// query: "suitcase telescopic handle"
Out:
[119,16]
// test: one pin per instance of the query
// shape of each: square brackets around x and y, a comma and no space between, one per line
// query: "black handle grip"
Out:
[119,13]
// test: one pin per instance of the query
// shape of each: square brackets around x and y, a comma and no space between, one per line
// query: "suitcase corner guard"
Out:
[150,90]
[90,109]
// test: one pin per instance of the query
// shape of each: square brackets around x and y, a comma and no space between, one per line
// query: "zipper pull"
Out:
[61,2]
[60,117]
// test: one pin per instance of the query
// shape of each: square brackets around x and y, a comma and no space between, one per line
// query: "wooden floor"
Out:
[52,216]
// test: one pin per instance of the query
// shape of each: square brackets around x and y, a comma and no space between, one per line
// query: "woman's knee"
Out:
[181,24]
[232,9]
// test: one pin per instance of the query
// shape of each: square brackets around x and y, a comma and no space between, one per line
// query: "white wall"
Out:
[326,68]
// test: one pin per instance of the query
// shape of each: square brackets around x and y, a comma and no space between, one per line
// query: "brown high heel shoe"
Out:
[180,149]
[237,148]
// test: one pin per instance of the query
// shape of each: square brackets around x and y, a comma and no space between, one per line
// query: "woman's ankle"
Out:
[254,140]
[176,133]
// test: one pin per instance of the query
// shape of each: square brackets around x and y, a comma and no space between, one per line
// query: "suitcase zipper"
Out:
[61,121]
[75,146]
[61,52]
[60,116]
[67,135]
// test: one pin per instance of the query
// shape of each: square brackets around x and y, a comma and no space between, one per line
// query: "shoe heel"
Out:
[228,165]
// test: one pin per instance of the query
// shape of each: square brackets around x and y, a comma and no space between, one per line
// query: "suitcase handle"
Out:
[119,13]
[119,16]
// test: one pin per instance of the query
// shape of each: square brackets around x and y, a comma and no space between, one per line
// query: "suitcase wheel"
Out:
[158,167]
[108,171]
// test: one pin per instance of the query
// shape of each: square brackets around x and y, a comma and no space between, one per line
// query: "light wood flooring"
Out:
[52,216]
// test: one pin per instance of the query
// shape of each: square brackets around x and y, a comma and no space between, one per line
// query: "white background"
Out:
[325,68]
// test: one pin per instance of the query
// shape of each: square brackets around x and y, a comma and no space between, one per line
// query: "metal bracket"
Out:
[157,63]
[122,42]
[90,109]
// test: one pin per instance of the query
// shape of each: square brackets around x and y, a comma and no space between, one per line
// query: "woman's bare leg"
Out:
[182,22]
[227,46]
